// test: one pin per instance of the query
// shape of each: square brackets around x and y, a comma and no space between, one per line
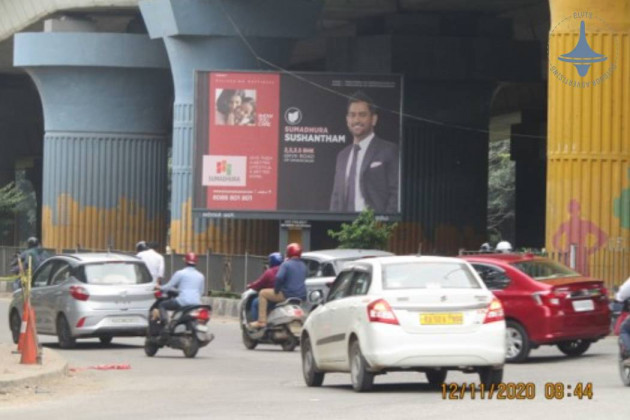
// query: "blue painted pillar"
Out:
[105,99]
[200,35]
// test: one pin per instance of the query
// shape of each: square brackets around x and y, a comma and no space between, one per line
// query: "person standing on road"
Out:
[189,282]
[152,259]
[624,333]
[290,282]
[266,281]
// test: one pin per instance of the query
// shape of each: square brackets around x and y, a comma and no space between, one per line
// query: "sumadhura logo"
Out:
[224,171]
[224,167]
[582,56]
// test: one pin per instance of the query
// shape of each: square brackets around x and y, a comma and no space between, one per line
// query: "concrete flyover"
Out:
[15,15]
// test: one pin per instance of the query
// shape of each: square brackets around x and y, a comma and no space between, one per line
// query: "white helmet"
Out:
[504,246]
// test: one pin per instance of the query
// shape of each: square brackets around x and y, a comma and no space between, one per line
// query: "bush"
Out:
[365,232]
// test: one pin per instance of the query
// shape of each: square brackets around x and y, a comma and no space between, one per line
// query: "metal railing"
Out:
[228,273]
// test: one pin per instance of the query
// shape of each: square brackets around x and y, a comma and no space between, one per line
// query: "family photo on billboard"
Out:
[235,107]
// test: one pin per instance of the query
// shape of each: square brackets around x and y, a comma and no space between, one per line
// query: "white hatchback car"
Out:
[428,314]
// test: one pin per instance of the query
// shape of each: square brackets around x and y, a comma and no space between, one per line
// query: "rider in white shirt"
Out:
[152,259]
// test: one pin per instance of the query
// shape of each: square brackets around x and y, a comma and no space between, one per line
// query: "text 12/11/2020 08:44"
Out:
[516,391]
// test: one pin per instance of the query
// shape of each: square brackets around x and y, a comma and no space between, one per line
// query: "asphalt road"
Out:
[226,381]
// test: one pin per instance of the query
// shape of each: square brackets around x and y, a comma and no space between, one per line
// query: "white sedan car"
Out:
[428,314]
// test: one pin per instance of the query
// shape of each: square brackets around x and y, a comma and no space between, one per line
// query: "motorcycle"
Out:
[186,330]
[284,323]
[624,364]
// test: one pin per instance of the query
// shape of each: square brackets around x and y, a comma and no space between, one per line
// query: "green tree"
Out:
[501,193]
[11,201]
[365,232]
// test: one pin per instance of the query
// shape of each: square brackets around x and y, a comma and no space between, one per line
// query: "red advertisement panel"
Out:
[240,168]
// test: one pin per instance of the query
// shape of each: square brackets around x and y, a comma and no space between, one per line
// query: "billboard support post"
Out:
[291,230]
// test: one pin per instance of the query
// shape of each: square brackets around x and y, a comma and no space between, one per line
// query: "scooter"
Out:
[284,323]
[624,364]
[186,330]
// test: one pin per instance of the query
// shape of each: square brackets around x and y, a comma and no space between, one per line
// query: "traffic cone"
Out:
[30,350]
[25,311]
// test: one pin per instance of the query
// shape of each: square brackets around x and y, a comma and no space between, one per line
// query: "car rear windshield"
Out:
[116,273]
[544,269]
[428,276]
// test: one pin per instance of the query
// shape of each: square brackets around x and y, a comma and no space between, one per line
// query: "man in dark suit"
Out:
[366,174]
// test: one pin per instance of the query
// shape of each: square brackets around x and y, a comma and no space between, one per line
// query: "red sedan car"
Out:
[544,303]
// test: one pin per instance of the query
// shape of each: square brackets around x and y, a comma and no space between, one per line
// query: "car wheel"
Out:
[64,334]
[436,377]
[290,344]
[574,348]
[362,380]
[250,343]
[312,376]
[490,376]
[516,342]
[192,347]
[150,348]
[15,323]
[105,339]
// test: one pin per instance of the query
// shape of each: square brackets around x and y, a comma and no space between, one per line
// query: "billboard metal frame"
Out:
[199,148]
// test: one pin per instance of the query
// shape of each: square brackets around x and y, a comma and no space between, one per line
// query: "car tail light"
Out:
[79,293]
[380,311]
[549,297]
[81,322]
[202,315]
[298,312]
[494,312]
[158,294]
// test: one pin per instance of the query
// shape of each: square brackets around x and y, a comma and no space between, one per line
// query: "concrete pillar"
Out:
[588,151]
[105,98]
[529,154]
[201,35]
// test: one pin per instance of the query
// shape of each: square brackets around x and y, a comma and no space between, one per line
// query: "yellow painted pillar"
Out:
[588,150]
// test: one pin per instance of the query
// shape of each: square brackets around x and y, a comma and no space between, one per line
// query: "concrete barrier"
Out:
[222,306]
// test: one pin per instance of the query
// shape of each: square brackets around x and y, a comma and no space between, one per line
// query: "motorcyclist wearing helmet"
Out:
[504,246]
[34,253]
[485,247]
[266,281]
[289,283]
[189,282]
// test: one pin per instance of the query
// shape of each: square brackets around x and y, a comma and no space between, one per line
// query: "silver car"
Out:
[87,295]
[324,265]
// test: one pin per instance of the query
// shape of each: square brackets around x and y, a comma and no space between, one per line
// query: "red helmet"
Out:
[294,250]
[191,258]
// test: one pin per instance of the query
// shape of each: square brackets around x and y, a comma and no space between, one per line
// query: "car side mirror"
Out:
[315,297]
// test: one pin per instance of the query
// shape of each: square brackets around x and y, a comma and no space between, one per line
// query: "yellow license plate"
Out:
[442,319]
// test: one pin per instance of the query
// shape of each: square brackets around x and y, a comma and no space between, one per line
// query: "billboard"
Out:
[314,146]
